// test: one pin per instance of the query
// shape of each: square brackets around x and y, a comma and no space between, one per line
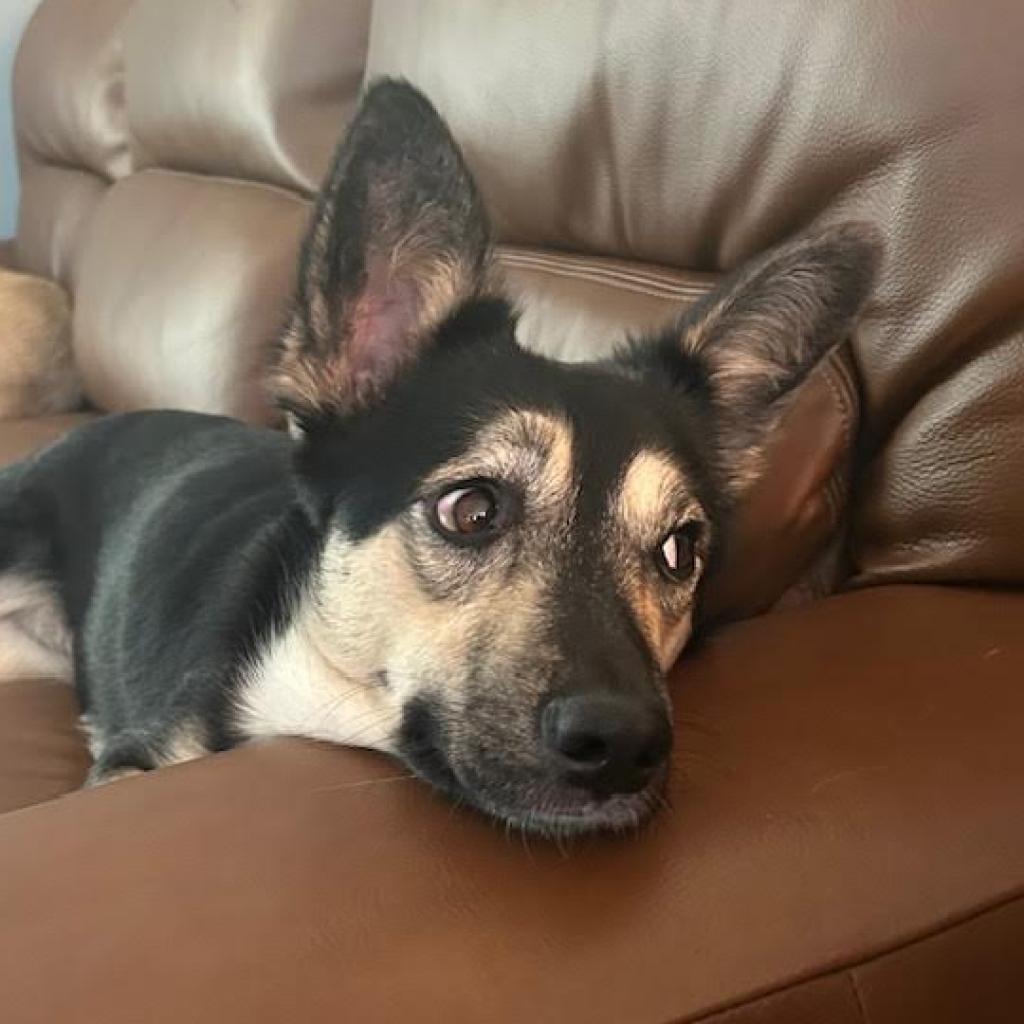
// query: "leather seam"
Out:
[850,968]
[671,291]
[559,259]
[838,381]
[610,281]
[835,486]
[622,285]
[48,163]
[221,179]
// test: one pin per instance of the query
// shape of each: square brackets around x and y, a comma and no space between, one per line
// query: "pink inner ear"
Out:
[382,335]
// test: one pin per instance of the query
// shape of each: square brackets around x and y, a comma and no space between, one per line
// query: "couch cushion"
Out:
[848,784]
[183,284]
[71,126]
[258,91]
[53,214]
[69,86]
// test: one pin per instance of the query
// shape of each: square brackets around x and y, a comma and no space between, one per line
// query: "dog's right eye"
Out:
[468,512]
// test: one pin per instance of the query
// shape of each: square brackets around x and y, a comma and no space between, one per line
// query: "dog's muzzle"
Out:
[598,762]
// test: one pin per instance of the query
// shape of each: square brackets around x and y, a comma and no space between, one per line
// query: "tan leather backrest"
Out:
[71,127]
[628,153]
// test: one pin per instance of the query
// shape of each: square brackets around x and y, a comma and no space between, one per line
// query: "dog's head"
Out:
[514,547]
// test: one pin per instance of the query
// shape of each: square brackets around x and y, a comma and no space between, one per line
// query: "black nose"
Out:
[606,742]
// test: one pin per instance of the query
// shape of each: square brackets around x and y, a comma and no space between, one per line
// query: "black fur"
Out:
[175,541]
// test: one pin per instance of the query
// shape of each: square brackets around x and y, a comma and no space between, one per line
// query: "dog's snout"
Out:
[605,742]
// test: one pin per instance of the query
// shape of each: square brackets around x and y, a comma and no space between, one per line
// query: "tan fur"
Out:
[653,496]
[115,775]
[762,329]
[522,445]
[188,743]
[319,306]
[93,739]
[37,374]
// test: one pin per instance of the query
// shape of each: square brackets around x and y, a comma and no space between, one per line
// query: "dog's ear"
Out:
[398,241]
[746,345]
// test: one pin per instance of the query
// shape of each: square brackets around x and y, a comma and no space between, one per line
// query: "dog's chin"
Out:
[535,805]
[561,816]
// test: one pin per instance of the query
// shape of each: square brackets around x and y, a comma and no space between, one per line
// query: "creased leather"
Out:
[55,206]
[69,86]
[258,90]
[224,255]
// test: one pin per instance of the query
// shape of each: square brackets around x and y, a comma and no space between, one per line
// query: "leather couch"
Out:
[846,836]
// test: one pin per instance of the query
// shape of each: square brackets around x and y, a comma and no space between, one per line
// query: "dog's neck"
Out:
[294,689]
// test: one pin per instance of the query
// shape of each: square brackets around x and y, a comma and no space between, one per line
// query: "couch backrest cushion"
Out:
[71,126]
[257,91]
[181,285]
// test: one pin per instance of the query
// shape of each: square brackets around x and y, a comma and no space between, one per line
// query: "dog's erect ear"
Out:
[397,243]
[748,344]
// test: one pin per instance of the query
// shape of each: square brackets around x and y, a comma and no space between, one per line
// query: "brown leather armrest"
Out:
[848,791]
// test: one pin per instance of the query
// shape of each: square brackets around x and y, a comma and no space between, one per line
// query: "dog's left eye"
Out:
[677,555]
[469,511]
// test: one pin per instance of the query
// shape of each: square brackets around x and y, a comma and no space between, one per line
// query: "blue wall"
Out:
[14,15]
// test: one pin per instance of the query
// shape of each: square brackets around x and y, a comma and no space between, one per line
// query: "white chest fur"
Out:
[34,638]
[294,689]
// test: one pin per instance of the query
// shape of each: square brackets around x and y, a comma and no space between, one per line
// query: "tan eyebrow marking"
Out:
[533,448]
[653,496]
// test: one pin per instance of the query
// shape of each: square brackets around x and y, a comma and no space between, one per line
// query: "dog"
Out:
[462,553]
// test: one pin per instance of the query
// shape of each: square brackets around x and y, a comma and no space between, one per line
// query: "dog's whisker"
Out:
[368,725]
[360,783]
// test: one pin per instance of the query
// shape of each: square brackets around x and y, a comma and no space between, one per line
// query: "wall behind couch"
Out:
[14,15]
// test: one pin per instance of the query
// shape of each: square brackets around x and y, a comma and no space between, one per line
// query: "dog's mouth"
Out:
[555,816]
[526,802]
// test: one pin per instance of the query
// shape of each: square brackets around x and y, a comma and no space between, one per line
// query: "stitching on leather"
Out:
[612,281]
[635,271]
[839,384]
[639,282]
[668,288]
[620,284]
[947,927]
